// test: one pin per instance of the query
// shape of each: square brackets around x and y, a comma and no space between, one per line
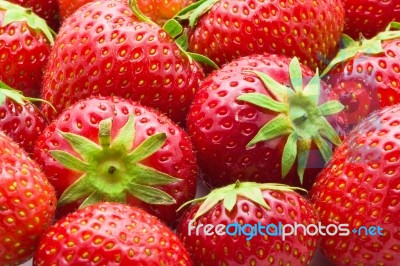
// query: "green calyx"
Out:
[112,170]
[8,92]
[175,30]
[16,12]
[229,194]
[366,46]
[299,117]
[193,12]
[16,95]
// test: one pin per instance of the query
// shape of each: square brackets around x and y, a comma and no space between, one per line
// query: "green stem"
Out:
[142,17]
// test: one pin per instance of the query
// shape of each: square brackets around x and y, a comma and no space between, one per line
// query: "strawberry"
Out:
[224,30]
[361,187]
[25,43]
[364,76]
[27,203]
[103,49]
[249,204]
[68,7]
[110,234]
[110,149]
[157,10]
[19,118]
[46,9]
[369,17]
[160,11]
[259,112]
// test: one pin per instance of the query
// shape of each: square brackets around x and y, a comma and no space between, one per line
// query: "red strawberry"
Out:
[364,76]
[104,50]
[361,187]
[110,234]
[25,43]
[150,162]
[19,118]
[243,123]
[224,29]
[158,11]
[27,203]
[68,7]
[46,9]
[249,204]
[369,17]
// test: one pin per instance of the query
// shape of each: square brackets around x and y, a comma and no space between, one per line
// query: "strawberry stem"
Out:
[194,11]
[142,17]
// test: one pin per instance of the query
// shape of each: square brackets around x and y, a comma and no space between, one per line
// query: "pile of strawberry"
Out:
[132,132]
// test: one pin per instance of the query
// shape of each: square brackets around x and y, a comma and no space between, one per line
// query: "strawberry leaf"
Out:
[331,107]
[139,15]
[304,147]
[278,90]
[313,89]
[371,46]
[341,57]
[149,176]
[299,117]
[289,153]
[17,96]
[109,171]
[228,196]
[198,12]
[347,41]
[78,190]
[84,147]
[182,42]
[254,194]
[151,195]
[69,161]
[278,126]
[280,187]
[209,203]
[7,91]
[105,132]
[393,25]
[126,135]
[230,200]
[185,13]
[94,198]
[148,147]
[202,59]
[296,77]
[173,28]
[263,101]
[16,12]
[194,11]
[324,148]
[329,133]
